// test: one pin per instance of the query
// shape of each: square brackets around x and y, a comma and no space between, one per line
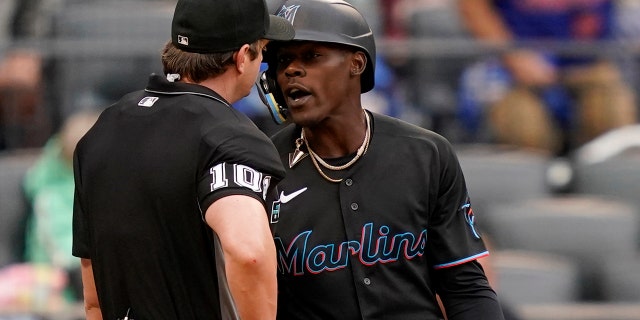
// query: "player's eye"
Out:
[284,59]
[311,55]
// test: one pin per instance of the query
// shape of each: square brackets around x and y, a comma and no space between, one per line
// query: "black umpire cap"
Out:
[208,26]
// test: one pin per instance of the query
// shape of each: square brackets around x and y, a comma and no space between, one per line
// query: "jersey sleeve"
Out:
[466,293]
[241,160]
[454,237]
[81,238]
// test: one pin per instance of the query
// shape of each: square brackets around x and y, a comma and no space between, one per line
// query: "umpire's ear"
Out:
[242,57]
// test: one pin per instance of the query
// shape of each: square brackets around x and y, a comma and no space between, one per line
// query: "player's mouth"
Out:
[297,96]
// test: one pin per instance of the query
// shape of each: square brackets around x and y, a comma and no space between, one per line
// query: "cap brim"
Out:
[280,29]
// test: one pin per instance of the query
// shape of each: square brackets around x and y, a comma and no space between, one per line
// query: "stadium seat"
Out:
[531,277]
[496,174]
[592,230]
[622,280]
[610,165]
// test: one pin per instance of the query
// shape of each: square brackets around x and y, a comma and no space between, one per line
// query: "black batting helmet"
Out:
[332,21]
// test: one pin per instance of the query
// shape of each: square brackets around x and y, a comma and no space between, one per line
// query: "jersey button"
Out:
[354,206]
[367,281]
[348,182]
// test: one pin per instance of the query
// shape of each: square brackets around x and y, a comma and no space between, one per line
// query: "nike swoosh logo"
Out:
[284,198]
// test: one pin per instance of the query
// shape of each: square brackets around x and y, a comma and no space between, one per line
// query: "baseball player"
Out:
[169,214]
[373,218]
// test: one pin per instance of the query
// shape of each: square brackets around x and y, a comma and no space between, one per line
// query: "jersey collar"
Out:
[160,85]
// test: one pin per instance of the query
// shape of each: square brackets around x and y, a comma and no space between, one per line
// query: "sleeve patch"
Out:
[470,218]
[243,176]
[226,179]
[224,175]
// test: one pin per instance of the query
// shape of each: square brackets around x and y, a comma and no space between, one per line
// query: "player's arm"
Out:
[91,304]
[249,252]
[483,21]
[466,294]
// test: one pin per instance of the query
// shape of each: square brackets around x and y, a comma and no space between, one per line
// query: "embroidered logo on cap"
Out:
[289,12]
[183,40]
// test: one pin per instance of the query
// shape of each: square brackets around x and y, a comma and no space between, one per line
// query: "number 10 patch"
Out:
[230,175]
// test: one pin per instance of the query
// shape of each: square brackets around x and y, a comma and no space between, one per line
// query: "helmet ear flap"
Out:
[271,95]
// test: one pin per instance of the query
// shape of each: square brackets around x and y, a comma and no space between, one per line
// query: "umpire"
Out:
[169,218]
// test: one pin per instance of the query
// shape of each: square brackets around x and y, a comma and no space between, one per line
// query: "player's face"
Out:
[315,79]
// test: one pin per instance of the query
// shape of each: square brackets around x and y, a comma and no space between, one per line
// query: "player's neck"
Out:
[338,138]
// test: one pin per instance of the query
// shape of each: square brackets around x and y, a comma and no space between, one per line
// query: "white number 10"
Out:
[243,176]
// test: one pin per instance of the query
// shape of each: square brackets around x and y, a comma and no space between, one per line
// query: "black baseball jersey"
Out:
[145,174]
[364,248]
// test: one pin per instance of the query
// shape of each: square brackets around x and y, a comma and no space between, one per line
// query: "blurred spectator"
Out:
[29,289]
[49,190]
[21,114]
[391,19]
[628,24]
[49,86]
[538,98]
[20,87]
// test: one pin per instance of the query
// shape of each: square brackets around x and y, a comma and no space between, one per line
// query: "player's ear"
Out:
[358,63]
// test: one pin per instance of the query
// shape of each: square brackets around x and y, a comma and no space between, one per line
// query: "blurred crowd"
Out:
[530,73]
[538,74]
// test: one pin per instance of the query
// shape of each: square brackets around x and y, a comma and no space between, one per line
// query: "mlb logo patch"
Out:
[183,40]
[148,101]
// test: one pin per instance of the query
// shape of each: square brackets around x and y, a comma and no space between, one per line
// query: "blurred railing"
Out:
[83,62]
[441,50]
[435,48]
[626,52]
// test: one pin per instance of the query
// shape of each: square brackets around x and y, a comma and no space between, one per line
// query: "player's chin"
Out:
[302,118]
